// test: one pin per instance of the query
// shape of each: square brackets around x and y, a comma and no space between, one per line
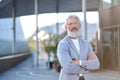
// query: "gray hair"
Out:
[73,16]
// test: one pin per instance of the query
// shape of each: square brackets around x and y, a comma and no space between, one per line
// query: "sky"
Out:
[51,18]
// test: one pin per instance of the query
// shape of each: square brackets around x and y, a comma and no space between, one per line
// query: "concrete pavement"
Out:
[104,75]
[25,71]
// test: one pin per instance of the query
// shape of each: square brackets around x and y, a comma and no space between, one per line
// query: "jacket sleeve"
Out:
[66,62]
[91,64]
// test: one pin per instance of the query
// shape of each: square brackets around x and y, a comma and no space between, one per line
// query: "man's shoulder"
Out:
[64,41]
[84,41]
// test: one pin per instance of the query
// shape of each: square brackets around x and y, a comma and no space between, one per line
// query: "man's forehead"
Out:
[72,19]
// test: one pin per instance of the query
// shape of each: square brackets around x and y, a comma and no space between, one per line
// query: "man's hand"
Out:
[91,57]
[76,61]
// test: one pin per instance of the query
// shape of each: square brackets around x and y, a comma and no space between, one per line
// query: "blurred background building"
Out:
[110,34]
[20,20]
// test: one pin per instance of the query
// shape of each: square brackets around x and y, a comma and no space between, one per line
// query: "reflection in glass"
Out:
[110,48]
[109,3]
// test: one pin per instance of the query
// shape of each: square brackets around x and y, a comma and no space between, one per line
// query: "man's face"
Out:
[73,26]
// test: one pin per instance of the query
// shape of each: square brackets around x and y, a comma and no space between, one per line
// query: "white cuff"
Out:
[80,63]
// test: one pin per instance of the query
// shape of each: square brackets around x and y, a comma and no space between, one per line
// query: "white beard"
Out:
[73,34]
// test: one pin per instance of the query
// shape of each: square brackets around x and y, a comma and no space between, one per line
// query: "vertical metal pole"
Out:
[84,13]
[14,26]
[37,43]
[119,48]
[101,46]
[57,9]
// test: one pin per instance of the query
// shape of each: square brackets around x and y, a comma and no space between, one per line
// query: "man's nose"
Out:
[73,24]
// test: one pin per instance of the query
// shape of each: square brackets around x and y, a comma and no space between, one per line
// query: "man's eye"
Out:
[70,23]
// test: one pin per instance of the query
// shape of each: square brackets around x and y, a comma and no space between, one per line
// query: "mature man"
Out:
[75,55]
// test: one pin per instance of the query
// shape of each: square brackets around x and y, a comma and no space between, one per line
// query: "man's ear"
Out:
[65,27]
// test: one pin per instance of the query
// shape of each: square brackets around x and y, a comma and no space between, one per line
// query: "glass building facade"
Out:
[110,48]
[110,34]
[109,3]
[7,37]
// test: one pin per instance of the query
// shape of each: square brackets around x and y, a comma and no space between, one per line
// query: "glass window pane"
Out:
[109,3]
[110,48]
[21,41]
[115,2]
[6,35]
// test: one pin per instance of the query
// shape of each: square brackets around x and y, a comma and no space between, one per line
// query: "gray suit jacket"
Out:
[66,50]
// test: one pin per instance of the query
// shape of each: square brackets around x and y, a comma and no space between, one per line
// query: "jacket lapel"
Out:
[81,44]
[73,47]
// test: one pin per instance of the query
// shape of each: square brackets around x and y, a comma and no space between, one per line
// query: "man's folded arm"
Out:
[91,64]
[73,69]
[66,62]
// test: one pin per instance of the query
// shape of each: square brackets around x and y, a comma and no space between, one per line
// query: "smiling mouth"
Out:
[74,29]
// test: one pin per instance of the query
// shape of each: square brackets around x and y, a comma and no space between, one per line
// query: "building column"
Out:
[36,54]
[119,48]
[85,20]
[14,26]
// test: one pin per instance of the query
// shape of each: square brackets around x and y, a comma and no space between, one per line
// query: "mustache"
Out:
[74,29]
